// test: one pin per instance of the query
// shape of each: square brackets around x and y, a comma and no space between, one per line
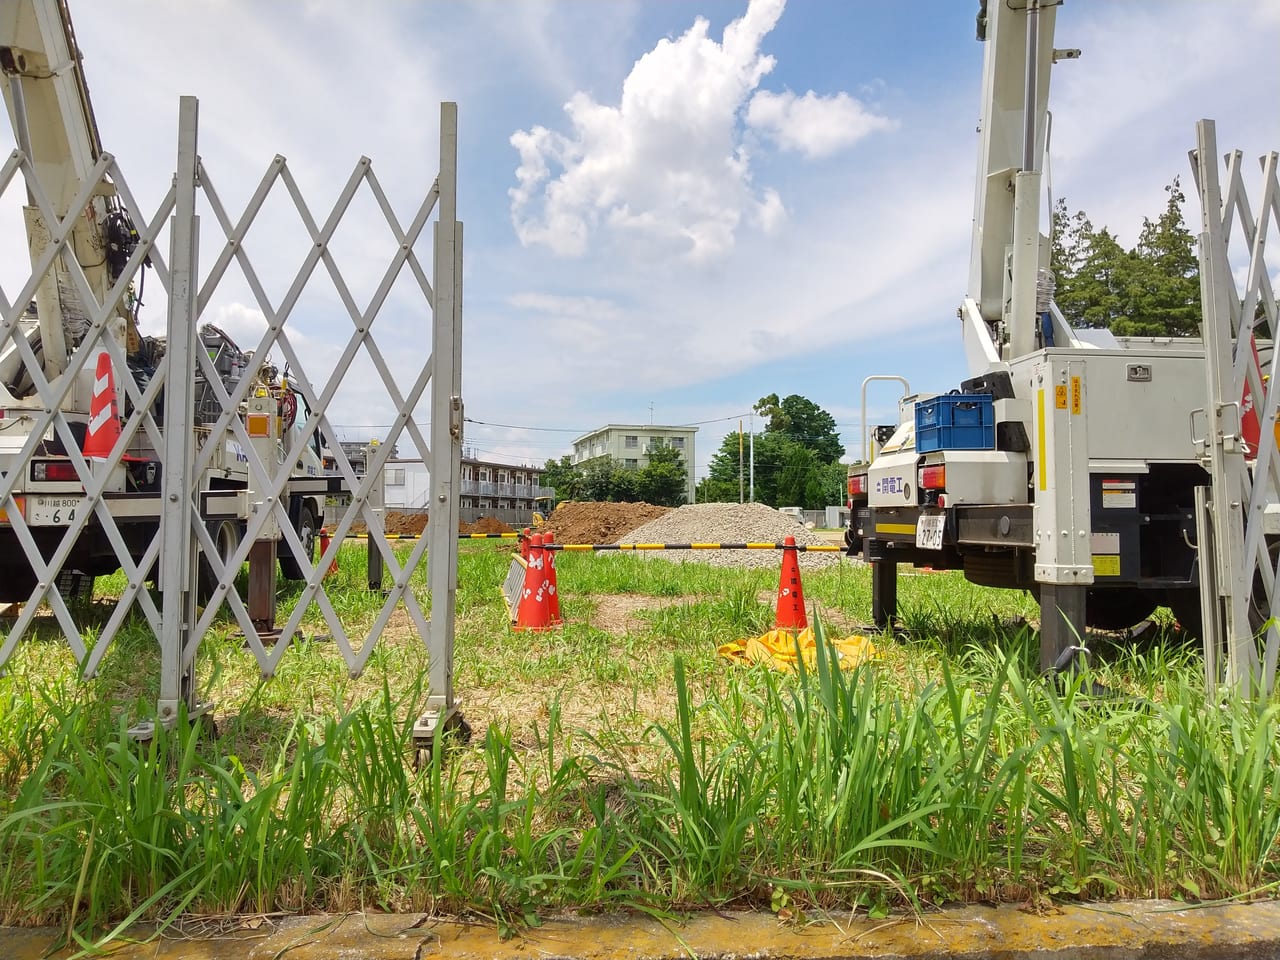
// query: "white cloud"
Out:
[668,168]
[812,125]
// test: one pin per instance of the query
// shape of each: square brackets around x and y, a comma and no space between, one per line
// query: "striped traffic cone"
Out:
[553,589]
[533,613]
[104,413]
[790,612]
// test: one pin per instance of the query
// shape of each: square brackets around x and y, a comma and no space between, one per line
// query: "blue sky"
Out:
[657,212]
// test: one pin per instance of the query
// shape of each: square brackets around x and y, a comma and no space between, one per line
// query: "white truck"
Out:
[1068,463]
[48,104]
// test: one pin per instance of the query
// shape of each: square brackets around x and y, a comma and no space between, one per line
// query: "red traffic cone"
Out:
[791,614]
[534,612]
[553,589]
[104,414]
[324,545]
[524,544]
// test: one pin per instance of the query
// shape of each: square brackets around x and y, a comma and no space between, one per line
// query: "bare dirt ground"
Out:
[413,524]
[599,522]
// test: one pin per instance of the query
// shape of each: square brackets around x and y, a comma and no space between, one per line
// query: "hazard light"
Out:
[933,478]
[54,471]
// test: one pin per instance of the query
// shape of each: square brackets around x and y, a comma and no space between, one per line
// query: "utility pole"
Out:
[752,498]
[740,461]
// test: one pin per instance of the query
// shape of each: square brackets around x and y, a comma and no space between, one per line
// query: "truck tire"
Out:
[226,538]
[308,529]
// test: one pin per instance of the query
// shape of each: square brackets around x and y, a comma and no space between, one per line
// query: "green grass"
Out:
[621,764]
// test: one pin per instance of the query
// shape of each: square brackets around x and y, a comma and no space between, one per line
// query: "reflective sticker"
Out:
[1106,565]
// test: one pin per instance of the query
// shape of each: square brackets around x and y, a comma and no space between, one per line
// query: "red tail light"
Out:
[857,484]
[54,471]
[933,478]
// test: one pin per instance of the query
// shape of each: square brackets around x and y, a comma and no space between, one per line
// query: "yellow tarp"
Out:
[781,648]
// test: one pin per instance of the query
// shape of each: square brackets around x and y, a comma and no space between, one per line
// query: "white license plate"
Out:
[52,511]
[929,531]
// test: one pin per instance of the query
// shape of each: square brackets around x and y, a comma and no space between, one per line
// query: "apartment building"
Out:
[629,445]
[489,489]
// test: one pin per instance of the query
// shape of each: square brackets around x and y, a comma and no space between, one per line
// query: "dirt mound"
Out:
[599,522]
[485,525]
[404,524]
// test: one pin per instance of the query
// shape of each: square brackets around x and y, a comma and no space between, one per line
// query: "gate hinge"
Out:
[455,418]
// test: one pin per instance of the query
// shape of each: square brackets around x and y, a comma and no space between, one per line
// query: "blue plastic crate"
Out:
[956,421]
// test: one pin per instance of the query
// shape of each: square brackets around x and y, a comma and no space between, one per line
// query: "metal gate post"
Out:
[178,564]
[1232,577]
[446,436]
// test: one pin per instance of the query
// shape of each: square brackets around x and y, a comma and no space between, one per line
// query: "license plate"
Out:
[929,531]
[52,511]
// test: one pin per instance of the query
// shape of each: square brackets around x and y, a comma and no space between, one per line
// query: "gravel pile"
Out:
[729,523]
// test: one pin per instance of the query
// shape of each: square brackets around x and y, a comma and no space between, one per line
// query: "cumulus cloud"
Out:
[813,125]
[668,167]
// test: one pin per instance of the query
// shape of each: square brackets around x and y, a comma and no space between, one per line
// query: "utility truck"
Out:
[1067,464]
[48,104]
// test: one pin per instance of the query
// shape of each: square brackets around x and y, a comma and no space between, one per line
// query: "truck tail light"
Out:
[857,484]
[933,478]
[54,471]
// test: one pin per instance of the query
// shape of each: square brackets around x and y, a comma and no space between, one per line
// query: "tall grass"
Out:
[964,776]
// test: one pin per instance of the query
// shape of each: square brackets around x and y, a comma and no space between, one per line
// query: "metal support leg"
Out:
[884,593]
[377,504]
[1061,621]
[262,585]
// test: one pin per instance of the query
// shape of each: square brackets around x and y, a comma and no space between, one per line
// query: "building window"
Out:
[677,442]
[631,442]
[484,475]
[395,476]
[631,463]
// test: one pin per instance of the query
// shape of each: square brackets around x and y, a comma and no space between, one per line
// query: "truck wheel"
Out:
[308,528]
[226,538]
[1118,608]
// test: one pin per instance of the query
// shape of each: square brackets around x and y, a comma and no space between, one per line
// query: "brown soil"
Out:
[413,524]
[485,525]
[599,522]
[404,523]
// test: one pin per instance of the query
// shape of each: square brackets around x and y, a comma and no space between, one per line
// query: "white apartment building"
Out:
[629,445]
[489,489]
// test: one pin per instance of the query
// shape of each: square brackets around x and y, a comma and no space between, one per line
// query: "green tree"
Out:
[597,479]
[803,421]
[565,477]
[664,479]
[1164,290]
[787,474]
[1151,290]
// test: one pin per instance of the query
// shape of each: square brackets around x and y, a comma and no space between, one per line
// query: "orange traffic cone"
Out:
[534,612]
[553,589]
[104,414]
[524,544]
[791,614]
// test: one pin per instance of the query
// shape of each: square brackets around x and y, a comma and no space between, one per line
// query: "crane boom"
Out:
[1007,250]
[42,79]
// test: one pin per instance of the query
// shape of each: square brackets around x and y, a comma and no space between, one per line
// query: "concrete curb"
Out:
[1145,929]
